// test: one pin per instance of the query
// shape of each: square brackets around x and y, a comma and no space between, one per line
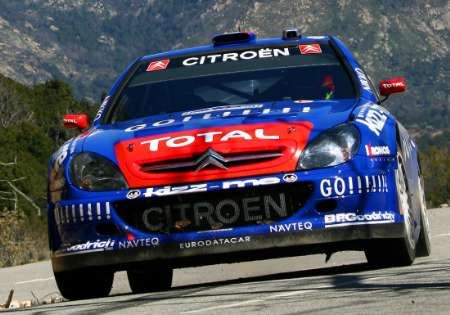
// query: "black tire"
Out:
[150,278]
[396,252]
[84,284]
[423,248]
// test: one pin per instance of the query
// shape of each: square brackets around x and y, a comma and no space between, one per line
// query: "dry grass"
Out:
[22,239]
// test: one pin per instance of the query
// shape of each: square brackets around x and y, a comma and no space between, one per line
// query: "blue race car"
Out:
[240,150]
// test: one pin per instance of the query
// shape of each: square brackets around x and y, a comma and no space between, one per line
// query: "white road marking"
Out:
[34,280]
[440,235]
[279,295]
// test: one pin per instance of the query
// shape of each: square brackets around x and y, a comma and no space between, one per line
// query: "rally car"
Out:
[243,149]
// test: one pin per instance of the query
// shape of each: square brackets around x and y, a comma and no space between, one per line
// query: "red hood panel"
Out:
[284,141]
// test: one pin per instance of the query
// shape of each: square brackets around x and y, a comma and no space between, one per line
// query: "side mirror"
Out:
[394,85]
[79,121]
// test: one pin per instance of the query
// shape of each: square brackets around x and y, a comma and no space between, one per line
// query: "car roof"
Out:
[250,44]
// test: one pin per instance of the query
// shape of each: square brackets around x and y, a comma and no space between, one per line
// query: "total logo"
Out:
[342,186]
[207,137]
[377,150]
[392,84]
[351,218]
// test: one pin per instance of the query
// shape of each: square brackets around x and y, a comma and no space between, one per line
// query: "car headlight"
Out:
[92,172]
[333,147]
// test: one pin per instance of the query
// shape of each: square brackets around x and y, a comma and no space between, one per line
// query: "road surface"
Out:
[279,286]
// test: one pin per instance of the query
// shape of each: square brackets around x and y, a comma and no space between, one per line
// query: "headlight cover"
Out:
[334,146]
[92,172]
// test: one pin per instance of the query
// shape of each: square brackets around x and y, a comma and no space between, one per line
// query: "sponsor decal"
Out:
[158,65]
[97,245]
[250,182]
[102,108]
[342,186]
[310,49]
[363,79]
[216,213]
[175,190]
[236,56]
[229,184]
[350,218]
[74,213]
[207,137]
[374,117]
[377,150]
[216,242]
[290,178]
[61,156]
[392,84]
[207,113]
[70,120]
[221,109]
[291,227]
[136,243]
[233,142]
[133,194]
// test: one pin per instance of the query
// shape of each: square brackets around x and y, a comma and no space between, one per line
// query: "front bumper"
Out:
[256,247]
[346,206]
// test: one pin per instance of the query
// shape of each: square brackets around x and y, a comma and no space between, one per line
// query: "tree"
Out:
[12,110]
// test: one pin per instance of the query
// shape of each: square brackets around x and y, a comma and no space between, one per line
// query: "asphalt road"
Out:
[279,286]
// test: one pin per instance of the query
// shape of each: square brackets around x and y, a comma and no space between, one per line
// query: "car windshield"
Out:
[247,76]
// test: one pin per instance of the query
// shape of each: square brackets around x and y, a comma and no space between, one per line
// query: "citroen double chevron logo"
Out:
[211,157]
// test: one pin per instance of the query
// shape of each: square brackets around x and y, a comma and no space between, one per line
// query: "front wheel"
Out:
[84,283]
[150,278]
[396,252]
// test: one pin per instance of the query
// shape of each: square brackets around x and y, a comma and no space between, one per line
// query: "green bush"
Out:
[435,164]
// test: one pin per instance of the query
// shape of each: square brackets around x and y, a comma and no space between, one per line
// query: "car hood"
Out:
[215,143]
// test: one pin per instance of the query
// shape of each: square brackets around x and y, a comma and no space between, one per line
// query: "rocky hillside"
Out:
[87,42]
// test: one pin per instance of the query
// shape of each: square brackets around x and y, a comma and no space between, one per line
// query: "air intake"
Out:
[233,38]
[290,34]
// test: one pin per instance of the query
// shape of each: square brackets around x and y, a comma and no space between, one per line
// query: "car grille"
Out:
[214,210]
[226,161]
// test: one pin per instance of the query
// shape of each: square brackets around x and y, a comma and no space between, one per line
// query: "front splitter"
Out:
[242,248]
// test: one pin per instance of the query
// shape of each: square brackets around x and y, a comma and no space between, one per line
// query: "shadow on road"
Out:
[342,279]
